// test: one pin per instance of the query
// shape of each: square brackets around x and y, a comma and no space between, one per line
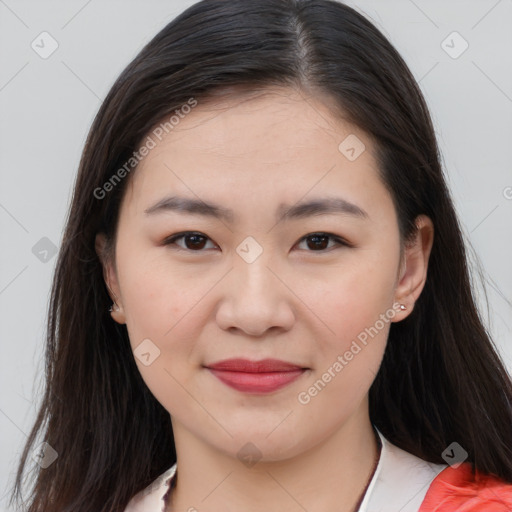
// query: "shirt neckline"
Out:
[400,482]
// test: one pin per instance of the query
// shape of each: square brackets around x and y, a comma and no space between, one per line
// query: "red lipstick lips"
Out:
[257,377]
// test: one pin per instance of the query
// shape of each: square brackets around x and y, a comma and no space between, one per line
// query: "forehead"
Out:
[253,119]
[277,141]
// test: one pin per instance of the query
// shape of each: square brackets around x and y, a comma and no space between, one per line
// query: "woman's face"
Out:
[295,256]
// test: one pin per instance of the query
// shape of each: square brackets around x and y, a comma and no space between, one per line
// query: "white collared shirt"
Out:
[399,484]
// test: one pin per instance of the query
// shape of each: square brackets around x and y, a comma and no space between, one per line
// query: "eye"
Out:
[193,241]
[196,242]
[318,242]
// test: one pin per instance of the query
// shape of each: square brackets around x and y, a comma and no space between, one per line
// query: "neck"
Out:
[340,466]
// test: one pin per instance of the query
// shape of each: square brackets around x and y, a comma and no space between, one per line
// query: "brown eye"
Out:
[196,242]
[191,241]
[319,242]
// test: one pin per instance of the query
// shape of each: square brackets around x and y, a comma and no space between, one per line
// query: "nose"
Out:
[255,300]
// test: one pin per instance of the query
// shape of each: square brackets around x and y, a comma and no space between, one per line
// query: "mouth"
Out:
[256,377]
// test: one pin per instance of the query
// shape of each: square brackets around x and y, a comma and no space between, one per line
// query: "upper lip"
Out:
[247,366]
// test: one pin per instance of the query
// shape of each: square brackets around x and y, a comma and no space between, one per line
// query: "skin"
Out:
[295,302]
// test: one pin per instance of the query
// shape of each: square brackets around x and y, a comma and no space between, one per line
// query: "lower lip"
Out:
[257,382]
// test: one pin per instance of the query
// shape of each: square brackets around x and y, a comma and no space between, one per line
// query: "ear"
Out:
[110,277]
[413,271]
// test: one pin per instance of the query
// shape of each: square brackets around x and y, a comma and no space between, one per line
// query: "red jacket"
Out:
[458,490]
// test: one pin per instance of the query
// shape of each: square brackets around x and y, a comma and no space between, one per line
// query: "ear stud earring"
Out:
[114,306]
[403,307]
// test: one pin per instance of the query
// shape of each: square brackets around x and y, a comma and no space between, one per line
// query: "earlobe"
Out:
[110,278]
[413,270]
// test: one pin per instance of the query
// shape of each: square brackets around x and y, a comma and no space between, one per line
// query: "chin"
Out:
[250,447]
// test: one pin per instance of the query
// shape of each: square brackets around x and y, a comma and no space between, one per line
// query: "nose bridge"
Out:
[255,283]
[254,299]
[252,262]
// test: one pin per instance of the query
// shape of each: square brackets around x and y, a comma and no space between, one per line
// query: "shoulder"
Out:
[459,488]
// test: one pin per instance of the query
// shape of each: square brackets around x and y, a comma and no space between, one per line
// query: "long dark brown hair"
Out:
[441,379]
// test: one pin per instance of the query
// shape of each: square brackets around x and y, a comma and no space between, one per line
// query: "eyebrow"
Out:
[321,206]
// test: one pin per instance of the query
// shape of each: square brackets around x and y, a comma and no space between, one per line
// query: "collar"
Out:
[399,483]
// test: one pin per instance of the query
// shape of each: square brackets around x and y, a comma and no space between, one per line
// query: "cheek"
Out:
[352,299]
[166,305]
[157,297]
[162,321]
[357,308]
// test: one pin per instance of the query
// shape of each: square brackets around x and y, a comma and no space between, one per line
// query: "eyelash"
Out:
[172,239]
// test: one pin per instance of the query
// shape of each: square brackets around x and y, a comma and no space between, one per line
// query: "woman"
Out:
[262,299]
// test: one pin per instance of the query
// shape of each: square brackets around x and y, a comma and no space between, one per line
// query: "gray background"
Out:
[47,106]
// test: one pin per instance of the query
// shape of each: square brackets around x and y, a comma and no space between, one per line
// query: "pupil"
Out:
[196,241]
[316,239]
